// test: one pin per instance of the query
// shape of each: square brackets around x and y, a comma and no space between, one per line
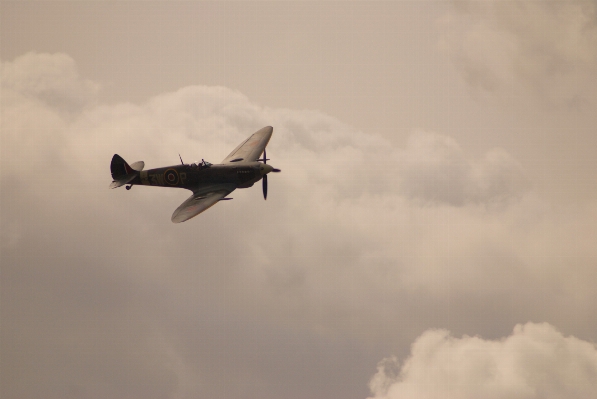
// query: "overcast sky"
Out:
[432,233]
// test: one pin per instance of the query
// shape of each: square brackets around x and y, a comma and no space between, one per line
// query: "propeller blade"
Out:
[264,156]
[264,187]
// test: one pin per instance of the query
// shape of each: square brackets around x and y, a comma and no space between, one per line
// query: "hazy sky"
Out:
[432,234]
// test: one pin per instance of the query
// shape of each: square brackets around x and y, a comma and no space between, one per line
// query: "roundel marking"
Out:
[171,177]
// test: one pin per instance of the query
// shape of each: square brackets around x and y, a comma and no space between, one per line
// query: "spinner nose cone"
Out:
[265,169]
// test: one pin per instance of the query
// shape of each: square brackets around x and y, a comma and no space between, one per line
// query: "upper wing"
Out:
[200,201]
[250,149]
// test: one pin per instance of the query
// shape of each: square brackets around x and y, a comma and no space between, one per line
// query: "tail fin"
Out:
[122,172]
[119,168]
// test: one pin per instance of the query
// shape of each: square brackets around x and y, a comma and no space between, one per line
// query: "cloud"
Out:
[535,361]
[51,78]
[548,47]
[358,239]
[434,169]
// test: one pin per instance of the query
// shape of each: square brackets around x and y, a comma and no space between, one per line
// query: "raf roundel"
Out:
[171,177]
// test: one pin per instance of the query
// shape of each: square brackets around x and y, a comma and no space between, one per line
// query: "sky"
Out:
[431,234]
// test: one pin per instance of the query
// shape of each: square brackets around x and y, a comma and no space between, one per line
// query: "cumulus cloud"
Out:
[434,169]
[549,47]
[256,297]
[535,361]
[51,78]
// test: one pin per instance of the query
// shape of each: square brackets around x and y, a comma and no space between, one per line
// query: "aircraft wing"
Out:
[200,201]
[250,149]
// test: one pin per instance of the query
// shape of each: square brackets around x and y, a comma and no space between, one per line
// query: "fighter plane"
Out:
[209,183]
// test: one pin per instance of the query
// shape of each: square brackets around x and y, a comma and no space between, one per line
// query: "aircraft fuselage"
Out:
[196,175]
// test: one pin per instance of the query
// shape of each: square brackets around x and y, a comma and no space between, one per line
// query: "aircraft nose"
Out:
[265,169]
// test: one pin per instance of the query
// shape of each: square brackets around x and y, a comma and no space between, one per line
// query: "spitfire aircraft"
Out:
[209,183]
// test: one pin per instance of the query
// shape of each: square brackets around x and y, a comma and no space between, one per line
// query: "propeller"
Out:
[265,175]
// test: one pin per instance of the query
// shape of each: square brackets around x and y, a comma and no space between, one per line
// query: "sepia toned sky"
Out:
[432,233]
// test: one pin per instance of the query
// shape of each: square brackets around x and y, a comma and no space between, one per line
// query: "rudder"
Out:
[120,168]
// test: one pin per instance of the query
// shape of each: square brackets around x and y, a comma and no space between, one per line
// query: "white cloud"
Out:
[51,78]
[535,361]
[433,168]
[549,47]
[355,231]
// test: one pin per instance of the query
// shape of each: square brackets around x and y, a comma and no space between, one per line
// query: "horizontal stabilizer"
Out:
[138,166]
[122,182]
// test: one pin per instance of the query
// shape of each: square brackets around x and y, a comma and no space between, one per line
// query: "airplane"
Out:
[209,183]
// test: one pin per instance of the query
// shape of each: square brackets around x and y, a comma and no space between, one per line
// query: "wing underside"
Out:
[199,202]
[250,149]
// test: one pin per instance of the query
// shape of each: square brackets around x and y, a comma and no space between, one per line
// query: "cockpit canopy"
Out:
[201,164]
